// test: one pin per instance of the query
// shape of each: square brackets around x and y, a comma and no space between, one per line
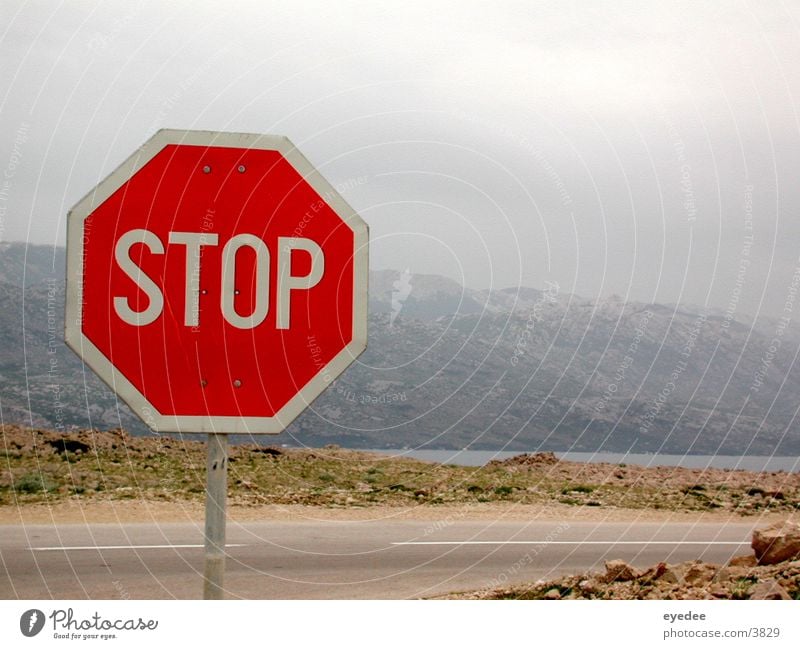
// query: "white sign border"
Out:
[103,367]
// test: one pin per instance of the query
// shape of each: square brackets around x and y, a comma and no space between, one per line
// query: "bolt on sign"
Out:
[216,282]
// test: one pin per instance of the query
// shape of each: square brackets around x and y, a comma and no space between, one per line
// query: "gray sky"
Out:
[606,146]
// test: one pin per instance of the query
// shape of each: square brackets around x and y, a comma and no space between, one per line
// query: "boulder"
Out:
[66,445]
[777,542]
[267,450]
[540,459]
[553,593]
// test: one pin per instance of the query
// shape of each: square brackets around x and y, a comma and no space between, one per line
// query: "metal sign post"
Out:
[216,497]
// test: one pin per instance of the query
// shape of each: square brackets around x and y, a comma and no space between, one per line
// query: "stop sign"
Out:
[216,282]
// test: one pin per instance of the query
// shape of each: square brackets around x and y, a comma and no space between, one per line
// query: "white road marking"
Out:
[128,547]
[579,542]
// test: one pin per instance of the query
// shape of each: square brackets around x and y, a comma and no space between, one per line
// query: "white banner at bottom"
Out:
[401,624]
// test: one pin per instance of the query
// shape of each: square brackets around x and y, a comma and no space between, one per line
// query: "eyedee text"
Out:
[194,243]
[689,615]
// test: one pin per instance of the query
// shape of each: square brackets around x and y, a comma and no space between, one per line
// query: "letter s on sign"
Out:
[122,253]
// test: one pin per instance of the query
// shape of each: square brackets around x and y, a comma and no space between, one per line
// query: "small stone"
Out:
[651,574]
[723,574]
[672,575]
[618,570]
[553,593]
[698,574]
[769,589]
[587,587]
[743,561]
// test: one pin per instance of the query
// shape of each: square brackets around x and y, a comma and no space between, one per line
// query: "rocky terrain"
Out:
[771,572]
[41,466]
[520,369]
[43,472]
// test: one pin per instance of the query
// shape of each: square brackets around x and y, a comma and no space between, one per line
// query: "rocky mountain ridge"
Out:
[450,367]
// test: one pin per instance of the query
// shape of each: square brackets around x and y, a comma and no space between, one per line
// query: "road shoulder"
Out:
[142,511]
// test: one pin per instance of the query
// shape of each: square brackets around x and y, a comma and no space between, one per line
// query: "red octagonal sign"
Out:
[216,282]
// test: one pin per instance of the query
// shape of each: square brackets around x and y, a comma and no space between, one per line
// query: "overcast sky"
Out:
[617,148]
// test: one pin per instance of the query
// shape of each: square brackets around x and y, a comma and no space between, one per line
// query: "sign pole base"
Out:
[216,496]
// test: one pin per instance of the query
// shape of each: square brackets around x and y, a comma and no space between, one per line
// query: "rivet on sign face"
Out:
[236,291]
[203,383]
[207,169]
[241,169]
[204,292]
[237,383]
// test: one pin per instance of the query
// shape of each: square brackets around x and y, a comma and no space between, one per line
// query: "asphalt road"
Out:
[334,559]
